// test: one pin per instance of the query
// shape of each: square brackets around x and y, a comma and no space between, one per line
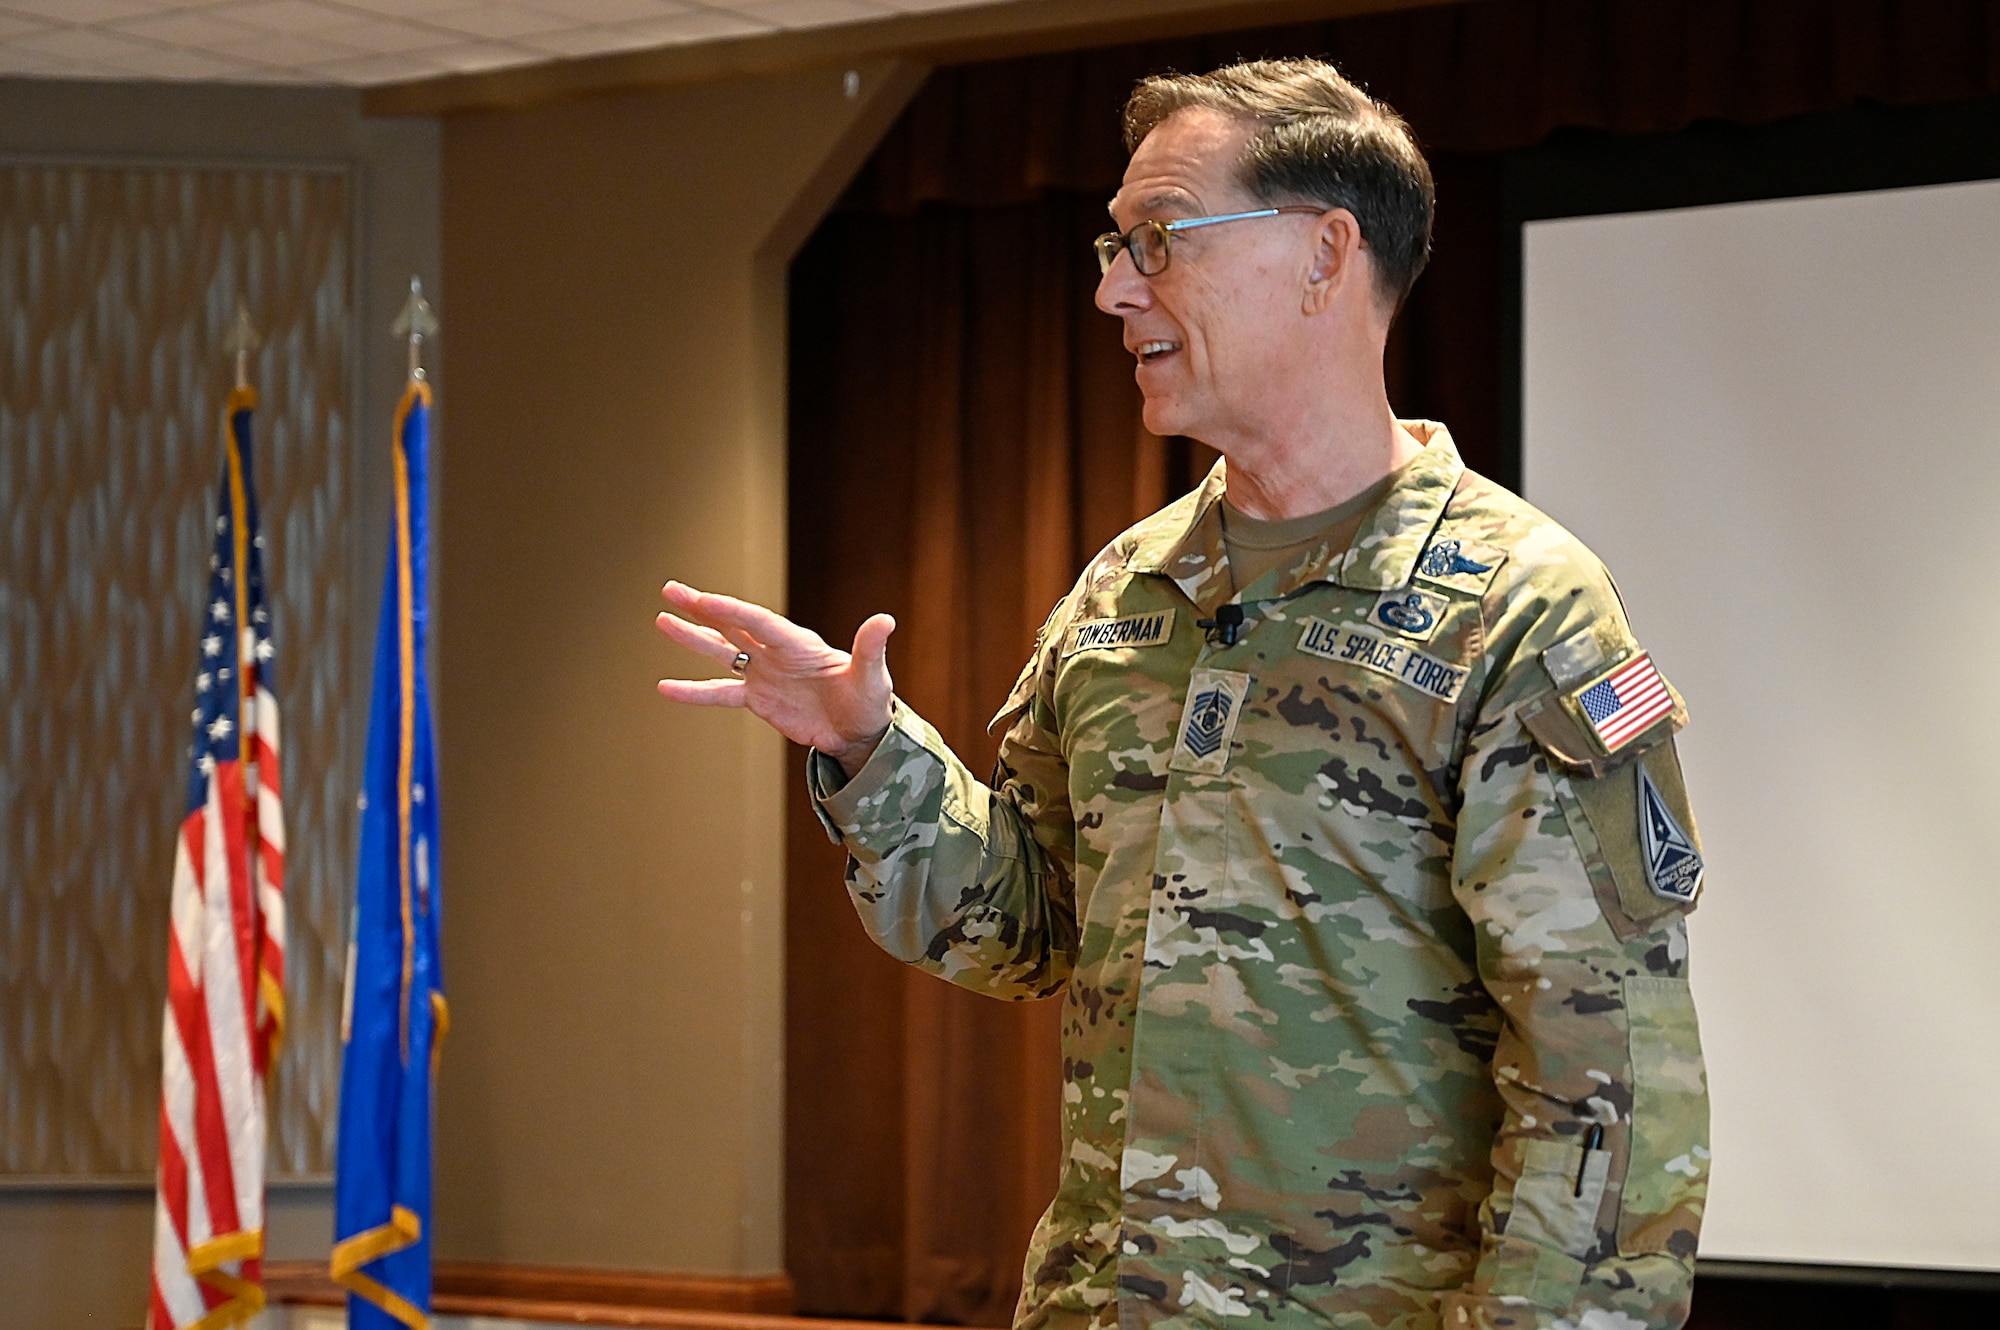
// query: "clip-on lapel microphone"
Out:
[1222,629]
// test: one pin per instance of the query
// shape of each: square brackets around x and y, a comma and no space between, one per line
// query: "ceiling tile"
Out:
[381,36]
[188,28]
[94,47]
[12,25]
[925,6]
[603,41]
[500,21]
[82,11]
[358,42]
[576,41]
[700,25]
[474,56]
[400,8]
[369,69]
[608,11]
[270,74]
[16,62]
[189,64]
[812,13]
[283,49]
[300,16]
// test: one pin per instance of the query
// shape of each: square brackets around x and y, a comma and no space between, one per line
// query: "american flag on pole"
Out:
[1624,702]
[226,954]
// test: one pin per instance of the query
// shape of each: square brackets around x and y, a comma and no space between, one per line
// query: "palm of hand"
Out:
[817,695]
[812,693]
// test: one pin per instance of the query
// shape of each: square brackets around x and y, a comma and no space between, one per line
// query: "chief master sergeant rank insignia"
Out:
[1206,718]
[1214,703]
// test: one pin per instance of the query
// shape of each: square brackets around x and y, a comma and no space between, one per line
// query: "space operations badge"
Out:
[1405,664]
[1133,630]
[1208,721]
[1673,865]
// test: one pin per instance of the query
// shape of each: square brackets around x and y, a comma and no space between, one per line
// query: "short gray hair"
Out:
[1321,140]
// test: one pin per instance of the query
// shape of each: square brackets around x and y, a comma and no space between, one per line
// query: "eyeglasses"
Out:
[1151,243]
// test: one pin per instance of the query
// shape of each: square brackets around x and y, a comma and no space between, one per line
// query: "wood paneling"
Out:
[120,285]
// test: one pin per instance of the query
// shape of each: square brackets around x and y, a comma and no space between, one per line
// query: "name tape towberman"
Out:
[1133,630]
[1395,660]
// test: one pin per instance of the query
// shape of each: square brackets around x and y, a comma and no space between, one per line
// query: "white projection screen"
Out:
[1779,425]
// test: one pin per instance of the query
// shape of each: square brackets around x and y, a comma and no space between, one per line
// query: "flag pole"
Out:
[243,340]
[226,946]
[394,1017]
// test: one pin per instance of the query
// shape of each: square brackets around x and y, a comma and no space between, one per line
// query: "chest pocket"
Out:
[1627,811]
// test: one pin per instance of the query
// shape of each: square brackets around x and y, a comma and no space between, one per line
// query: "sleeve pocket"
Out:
[1631,823]
[1666,1168]
[1560,1191]
[1550,1227]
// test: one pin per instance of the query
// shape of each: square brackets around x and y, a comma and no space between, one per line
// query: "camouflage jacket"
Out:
[1368,925]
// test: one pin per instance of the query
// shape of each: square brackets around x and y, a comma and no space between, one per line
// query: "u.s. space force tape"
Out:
[1395,660]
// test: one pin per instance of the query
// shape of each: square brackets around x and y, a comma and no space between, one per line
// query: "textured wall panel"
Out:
[118,288]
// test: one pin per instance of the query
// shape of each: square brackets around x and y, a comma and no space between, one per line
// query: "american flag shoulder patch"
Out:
[1625,701]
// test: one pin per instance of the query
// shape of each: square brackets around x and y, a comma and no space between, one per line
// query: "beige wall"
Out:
[612,1086]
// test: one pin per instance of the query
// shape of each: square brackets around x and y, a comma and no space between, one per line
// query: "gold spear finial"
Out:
[242,340]
[416,322]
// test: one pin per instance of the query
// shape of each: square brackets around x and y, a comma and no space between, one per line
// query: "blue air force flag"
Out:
[393,1019]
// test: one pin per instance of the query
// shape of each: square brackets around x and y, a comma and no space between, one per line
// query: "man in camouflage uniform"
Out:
[1361,869]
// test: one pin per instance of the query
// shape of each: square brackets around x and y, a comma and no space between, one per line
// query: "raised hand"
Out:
[835,701]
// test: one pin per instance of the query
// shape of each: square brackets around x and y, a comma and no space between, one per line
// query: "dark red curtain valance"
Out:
[1472,78]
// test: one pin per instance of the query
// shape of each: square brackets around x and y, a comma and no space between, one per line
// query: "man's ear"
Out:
[1336,259]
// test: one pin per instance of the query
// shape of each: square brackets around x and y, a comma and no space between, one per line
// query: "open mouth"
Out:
[1149,352]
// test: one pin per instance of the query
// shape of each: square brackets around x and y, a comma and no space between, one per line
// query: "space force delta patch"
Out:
[1134,630]
[1395,660]
[1673,865]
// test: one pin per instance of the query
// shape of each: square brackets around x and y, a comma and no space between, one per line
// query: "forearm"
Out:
[947,874]
[1601,1157]
[1600,1162]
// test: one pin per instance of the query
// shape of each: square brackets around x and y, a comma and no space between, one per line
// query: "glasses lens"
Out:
[1149,248]
[1107,247]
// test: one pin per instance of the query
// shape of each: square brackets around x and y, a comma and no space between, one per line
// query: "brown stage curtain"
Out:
[965,434]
